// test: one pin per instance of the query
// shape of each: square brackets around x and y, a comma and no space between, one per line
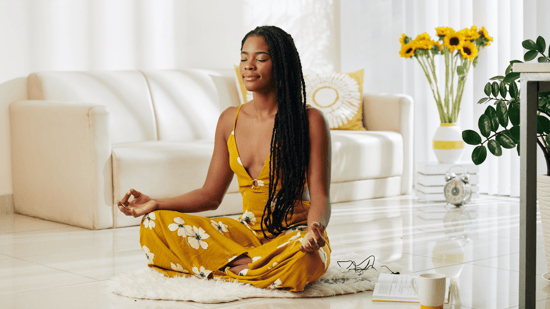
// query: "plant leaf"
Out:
[513,90]
[509,69]
[505,140]
[510,77]
[460,70]
[518,148]
[503,90]
[487,89]
[498,77]
[513,113]
[542,59]
[494,148]
[543,124]
[471,137]
[495,89]
[482,100]
[502,114]
[492,114]
[514,133]
[484,125]
[479,154]
[541,44]
[530,55]
[529,44]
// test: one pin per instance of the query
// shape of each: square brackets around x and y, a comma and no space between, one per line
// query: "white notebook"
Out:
[398,288]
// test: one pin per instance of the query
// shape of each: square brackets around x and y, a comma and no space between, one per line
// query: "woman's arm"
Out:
[218,179]
[209,197]
[318,179]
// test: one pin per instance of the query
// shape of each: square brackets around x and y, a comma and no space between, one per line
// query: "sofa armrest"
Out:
[393,112]
[61,162]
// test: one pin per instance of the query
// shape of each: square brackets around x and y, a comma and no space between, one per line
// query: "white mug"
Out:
[431,290]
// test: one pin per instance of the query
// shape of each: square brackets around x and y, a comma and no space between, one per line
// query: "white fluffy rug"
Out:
[149,284]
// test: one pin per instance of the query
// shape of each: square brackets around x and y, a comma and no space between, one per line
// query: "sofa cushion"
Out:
[189,102]
[360,155]
[125,93]
[162,169]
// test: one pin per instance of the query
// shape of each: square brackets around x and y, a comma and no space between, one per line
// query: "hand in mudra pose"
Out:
[140,205]
[314,239]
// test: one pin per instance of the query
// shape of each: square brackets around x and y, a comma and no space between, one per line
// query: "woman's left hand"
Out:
[314,239]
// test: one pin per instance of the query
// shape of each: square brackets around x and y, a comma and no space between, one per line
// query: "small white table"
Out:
[535,77]
[429,179]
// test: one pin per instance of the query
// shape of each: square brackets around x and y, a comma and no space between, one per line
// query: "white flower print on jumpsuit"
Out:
[219,226]
[148,221]
[196,236]
[177,267]
[248,218]
[150,256]
[276,284]
[179,226]
[202,272]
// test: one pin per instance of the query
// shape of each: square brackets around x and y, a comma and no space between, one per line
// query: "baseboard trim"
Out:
[6,204]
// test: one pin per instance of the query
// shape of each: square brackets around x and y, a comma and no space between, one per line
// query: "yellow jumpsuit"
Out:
[178,244]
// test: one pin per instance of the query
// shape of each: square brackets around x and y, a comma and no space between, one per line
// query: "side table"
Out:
[430,179]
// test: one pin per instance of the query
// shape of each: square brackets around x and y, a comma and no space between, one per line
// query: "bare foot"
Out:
[238,269]
[240,263]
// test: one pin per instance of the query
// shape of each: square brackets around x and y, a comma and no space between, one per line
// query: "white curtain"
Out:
[370,33]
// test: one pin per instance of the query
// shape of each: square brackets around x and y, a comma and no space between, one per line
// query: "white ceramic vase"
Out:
[447,143]
[543,196]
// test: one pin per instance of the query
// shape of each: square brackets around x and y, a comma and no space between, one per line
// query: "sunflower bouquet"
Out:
[460,50]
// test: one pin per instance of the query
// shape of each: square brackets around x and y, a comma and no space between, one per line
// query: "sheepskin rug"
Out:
[149,284]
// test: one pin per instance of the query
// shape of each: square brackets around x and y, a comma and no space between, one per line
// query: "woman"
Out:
[280,150]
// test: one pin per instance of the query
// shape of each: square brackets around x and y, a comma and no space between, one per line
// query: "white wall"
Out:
[41,35]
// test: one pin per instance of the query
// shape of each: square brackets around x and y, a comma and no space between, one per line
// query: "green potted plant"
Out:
[503,93]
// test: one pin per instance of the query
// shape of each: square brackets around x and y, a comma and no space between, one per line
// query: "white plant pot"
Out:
[543,196]
[447,143]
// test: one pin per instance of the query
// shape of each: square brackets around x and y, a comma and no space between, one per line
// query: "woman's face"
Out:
[256,66]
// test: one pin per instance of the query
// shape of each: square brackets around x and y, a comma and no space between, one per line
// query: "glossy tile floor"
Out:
[50,265]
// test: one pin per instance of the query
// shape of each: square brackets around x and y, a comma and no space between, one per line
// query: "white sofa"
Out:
[82,139]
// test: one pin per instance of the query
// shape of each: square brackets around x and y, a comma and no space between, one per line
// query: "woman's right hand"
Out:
[139,206]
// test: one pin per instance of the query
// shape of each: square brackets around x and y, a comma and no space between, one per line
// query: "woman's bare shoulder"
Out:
[316,118]
[226,120]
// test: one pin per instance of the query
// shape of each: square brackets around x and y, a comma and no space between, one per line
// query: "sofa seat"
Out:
[358,155]
[164,170]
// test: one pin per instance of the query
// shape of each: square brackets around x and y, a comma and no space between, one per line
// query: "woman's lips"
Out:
[251,78]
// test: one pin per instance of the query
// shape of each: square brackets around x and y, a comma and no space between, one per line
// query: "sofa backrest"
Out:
[189,102]
[125,93]
[166,105]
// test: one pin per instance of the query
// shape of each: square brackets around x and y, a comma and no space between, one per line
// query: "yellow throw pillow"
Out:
[338,95]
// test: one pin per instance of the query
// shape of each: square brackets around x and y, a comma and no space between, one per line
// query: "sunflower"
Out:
[438,45]
[407,50]
[403,38]
[422,37]
[470,34]
[485,35]
[443,31]
[453,41]
[468,50]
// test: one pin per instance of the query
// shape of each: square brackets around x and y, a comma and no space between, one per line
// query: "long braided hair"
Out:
[290,137]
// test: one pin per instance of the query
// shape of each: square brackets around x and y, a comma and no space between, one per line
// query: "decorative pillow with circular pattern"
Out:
[338,95]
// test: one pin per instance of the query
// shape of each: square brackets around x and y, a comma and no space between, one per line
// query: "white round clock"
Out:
[457,190]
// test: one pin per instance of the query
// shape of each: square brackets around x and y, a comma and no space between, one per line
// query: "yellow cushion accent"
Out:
[338,95]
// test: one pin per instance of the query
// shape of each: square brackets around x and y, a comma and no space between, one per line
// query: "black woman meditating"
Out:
[279,148]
